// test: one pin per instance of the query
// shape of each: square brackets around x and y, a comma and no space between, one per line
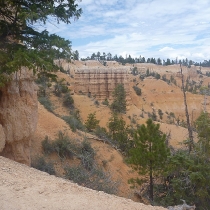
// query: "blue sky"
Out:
[150,28]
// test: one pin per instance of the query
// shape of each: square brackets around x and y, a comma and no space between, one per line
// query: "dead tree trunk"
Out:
[190,132]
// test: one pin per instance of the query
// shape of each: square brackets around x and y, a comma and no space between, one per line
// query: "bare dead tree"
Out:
[190,132]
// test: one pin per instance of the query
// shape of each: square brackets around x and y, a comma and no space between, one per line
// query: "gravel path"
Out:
[22,187]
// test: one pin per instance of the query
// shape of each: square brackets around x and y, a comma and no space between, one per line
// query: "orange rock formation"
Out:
[18,116]
[100,83]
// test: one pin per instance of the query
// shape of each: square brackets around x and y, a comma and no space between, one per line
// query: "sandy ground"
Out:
[22,187]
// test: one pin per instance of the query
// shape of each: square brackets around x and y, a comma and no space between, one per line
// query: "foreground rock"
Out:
[18,116]
[22,187]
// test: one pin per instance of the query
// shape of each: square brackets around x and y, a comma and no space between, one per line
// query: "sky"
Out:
[150,28]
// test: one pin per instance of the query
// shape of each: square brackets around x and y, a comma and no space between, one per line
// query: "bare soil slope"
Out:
[49,125]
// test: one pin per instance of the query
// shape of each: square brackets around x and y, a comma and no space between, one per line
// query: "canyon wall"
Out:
[18,116]
[100,83]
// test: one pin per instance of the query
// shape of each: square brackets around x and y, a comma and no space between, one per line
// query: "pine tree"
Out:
[186,176]
[119,103]
[22,43]
[119,132]
[203,129]
[76,55]
[149,153]
[91,122]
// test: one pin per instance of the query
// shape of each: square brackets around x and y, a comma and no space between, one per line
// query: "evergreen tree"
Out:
[109,56]
[91,122]
[93,56]
[76,55]
[119,99]
[203,129]
[104,56]
[115,58]
[159,62]
[119,132]
[148,60]
[168,62]
[186,177]
[149,153]
[98,55]
[129,60]
[22,44]
[143,60]
[120,59]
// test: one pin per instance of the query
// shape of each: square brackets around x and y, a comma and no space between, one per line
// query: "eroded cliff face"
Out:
[18,116]
[101,83]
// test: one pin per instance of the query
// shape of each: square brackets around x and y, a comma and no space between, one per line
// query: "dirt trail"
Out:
[22,187]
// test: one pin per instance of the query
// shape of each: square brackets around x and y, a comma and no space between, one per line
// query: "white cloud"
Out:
[155,28]
[166,49]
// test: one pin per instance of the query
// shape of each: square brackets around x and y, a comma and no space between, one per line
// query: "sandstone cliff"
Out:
[101,83]
[18,116]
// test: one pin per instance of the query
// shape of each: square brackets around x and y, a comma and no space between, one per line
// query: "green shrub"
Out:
[74,123]
[75,113]
[61,145]
[45,101]
[133,121]
[68,101]
[157,76]
[87,173]
[172,114]
[152,116]
[47,146]
[87,155]
[64,89]
[105,102]
[95,179]
[160,113]
[96,103]
[60,88]
[137,90]
[40,164]
[77,174]
[42,79]
[42,91]
[101,132]
[62,70]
